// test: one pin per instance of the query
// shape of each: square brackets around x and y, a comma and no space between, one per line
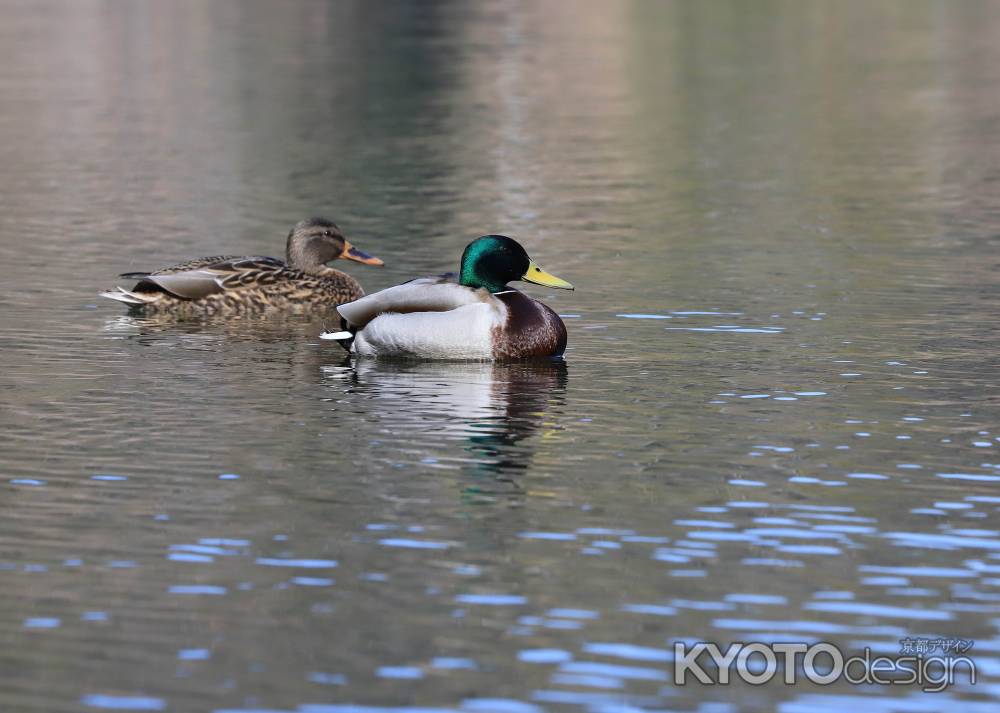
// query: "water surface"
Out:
[777,418]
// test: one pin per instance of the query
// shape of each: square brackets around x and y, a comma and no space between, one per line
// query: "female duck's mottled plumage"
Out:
[472,315]
[234,285]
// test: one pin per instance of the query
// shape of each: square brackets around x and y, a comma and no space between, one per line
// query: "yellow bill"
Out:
[538,276]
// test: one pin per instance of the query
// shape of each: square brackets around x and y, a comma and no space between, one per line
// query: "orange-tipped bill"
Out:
[352,253]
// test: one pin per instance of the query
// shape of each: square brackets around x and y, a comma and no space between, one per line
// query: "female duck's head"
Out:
[494,260]
[316,241]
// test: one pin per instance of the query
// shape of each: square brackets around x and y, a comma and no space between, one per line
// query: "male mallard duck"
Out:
[476,317]
[234,285]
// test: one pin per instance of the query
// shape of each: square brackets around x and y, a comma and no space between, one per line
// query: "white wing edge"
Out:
[416,296]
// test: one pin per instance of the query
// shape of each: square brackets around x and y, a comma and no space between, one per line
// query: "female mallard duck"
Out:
[233,285]
[476,317]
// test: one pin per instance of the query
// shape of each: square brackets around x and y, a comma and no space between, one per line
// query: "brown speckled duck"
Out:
[231,285]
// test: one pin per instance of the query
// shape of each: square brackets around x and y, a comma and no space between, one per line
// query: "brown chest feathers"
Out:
[531,330]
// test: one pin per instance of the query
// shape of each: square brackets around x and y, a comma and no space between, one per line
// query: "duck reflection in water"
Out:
[495,408]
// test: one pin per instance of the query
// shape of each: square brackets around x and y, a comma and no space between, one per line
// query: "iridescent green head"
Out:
[494,260]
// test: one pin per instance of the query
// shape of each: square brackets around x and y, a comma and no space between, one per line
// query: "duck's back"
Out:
[204,262]
[200,263]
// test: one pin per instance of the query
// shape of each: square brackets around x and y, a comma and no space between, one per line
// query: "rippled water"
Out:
[777,418]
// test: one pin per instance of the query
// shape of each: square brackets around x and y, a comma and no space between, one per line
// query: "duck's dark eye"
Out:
[328,234]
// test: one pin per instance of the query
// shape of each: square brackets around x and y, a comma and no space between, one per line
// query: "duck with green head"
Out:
[471,315]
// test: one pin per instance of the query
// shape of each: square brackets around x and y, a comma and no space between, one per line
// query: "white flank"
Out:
[462,333]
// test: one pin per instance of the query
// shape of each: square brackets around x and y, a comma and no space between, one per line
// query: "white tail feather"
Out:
[336,335]
[129,298]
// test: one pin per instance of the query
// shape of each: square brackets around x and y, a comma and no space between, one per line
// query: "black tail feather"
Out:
[347,343]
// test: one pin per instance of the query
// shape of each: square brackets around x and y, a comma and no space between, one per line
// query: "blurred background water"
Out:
[777,418]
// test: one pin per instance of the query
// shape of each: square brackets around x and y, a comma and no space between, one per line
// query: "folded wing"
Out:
[199,278]
[428,294]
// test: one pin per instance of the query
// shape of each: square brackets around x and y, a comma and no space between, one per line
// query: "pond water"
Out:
[777,419]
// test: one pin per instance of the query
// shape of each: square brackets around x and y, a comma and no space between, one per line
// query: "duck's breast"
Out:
[531,329]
